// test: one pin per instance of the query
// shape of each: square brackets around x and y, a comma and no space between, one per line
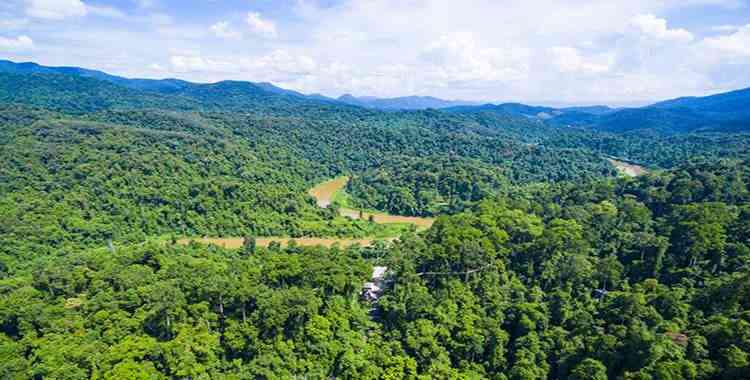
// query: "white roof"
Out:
[378,272]
[369,286]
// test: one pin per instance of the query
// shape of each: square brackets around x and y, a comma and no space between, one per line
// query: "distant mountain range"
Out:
[727,112]
[29,83]
[160,85]
[403,103]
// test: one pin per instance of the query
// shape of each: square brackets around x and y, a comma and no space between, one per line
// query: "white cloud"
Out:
[282,61]
[576,54]
[461,57]
[569,60]
[277,66]
[222,29]
[583,51]
[19,43]
[187,63]
[56,9]
[261,26]
[424,46]
[735,44]
[656,28]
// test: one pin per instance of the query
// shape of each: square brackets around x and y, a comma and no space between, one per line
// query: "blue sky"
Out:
[617,52]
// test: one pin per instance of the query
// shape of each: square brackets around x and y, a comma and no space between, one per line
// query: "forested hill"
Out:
[544,262]
[81,94]
[166,86]
[733,102]
[86,160]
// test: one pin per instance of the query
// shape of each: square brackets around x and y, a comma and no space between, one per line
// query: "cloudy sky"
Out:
[618,52]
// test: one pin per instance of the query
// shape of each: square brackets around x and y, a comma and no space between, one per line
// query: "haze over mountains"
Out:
[402,103]
[721,112]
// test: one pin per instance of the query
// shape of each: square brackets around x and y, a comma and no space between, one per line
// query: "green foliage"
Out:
[540,265]
[426,186]
[69,184]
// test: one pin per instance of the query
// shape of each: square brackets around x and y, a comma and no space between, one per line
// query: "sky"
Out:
[554,52]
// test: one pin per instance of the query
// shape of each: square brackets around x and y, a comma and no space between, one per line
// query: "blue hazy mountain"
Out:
[732,102]
[727,112]
[402,103]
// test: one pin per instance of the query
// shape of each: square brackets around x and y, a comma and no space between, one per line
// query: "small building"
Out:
[378,273]
[371,290]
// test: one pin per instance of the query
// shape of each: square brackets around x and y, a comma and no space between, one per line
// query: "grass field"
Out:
[332,191]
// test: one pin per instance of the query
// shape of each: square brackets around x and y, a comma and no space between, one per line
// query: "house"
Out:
[371,290]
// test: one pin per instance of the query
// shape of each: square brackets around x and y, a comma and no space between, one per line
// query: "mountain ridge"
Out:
[729,111]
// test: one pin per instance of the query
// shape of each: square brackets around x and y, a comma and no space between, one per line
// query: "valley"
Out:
[509,241]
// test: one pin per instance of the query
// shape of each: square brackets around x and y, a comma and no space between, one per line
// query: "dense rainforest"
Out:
[543,261]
